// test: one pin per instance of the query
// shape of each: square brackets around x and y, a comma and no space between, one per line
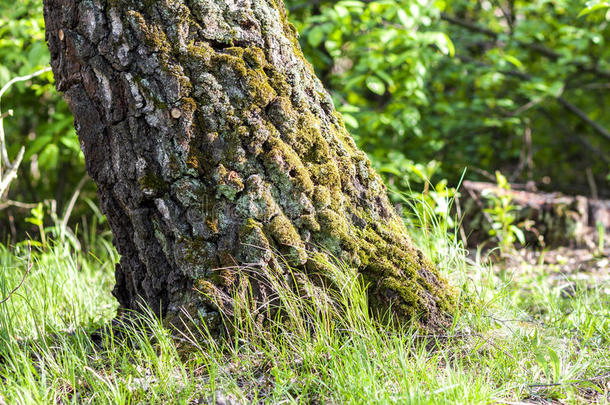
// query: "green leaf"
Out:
[47,159]
[70,141]
[555,89]
[376,85]
[388,79]
[593,8]
[449,48]
[518,234]
[352,4]
[341,10]
[37,145]
[556,364]
[404,18]
[316,35]
[350,121]
[511,59]
[542,363]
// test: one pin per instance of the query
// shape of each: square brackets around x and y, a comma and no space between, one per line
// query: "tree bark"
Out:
[215,147]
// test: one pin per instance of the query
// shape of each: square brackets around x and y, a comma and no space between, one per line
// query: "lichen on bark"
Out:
[214,145]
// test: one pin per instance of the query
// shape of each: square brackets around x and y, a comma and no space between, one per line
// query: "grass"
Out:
[517,338]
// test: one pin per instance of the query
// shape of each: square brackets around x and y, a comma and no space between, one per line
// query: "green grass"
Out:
[516,338]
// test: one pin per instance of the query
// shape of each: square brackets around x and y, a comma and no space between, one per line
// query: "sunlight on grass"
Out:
[516,338]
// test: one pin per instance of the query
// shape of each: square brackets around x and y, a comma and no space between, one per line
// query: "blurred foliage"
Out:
[53,162]
[427,88]
[375,57]
[519,87]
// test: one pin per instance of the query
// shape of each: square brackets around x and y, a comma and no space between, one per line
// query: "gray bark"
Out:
[214,147]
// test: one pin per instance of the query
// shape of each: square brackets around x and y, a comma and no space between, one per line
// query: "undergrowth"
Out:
[516,338]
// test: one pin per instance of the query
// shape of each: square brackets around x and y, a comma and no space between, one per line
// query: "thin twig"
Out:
[30,264]
[584,117]
[535,47]
[11,168]
[22,79]
[17,204]
[79,187]
[592,185]
[532,103]
[567,133]
[600,129]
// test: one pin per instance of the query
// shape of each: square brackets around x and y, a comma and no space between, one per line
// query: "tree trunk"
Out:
[214,146]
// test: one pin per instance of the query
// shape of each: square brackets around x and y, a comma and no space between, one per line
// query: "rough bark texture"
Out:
[214,145]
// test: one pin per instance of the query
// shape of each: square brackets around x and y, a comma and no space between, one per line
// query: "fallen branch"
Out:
[559,219]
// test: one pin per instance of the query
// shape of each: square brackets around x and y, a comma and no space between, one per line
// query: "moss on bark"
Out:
[219,132]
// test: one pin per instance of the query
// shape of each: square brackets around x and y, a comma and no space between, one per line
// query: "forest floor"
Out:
[532,328]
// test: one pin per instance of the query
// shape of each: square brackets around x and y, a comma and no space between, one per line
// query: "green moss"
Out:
[320,149]
[255,57]
[259,88]
[194,259]
[282,231]
[306,137]
[309,222]
[255,244]
[326,173]
[252,227]
[278,81]
[321,197]
[198,50]
[287,165]
[188,104]
[334,233]
[154,36]
[409,292]
[235,51]
[152,183]
[205,287]
[254,80]
[228,182]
